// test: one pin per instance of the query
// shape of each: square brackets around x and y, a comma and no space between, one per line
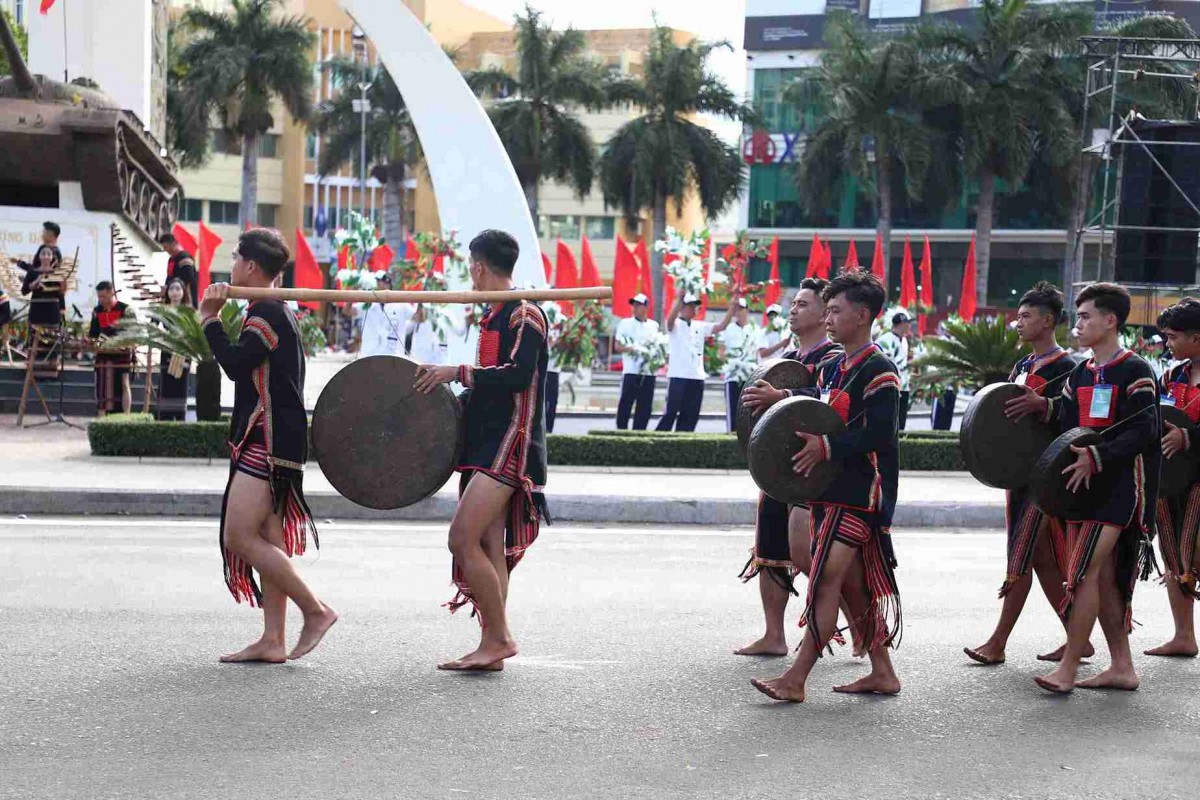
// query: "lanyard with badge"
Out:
[1032,363]
[840,371]
[1102,393]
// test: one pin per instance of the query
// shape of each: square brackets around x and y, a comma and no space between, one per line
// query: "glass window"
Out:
[19,11]
[226,143]
[223,213]
[563,226]
[268,145]
[310,147]
[191,211]
[600,228]
[267,214]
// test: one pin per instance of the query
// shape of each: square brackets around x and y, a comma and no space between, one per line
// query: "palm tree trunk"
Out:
[393,207]
[883,224]
[1085,170]
[531,199]
[248,213]
[659,229]
[985,210]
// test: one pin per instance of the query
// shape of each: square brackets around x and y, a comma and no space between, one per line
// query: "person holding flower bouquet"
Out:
[685,370]
[739,357]
[642,355]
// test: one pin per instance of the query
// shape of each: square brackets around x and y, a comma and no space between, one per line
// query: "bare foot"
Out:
[488,658]
[1055,683]
[315,628]
[871,684]
[1177,647]
[261,652]
[779,689]
[987,654]
[1111,679]
[1057,655]
[763,647]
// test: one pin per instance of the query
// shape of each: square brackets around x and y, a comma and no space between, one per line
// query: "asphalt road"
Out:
[626,686]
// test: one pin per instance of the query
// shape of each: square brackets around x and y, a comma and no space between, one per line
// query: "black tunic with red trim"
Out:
[505,435]
[1179,517]
[1124,492]
[266,366]
[771,550]
[1022,516]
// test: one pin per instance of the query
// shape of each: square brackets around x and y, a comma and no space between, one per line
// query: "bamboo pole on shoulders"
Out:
[397,296]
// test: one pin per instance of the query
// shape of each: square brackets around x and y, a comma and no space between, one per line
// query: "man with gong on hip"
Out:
[503,465]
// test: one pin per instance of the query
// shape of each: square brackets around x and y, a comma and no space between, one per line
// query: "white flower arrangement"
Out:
[742,360]
[688,268]
[651,353]
[779,324]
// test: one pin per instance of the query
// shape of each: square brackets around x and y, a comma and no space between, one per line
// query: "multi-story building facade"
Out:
[782,39]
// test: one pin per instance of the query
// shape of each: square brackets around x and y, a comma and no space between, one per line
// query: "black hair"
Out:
[265,247]
[497,249]
[817,285]
[52,227]
[1183,317]
[860,287]
[54,251]
[1046,296]
[1107,297]
[167,238]
[105,286]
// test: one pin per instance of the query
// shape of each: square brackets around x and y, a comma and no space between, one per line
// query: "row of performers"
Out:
[1087,563]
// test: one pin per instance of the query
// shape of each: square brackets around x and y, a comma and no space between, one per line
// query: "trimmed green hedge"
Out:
[141,435]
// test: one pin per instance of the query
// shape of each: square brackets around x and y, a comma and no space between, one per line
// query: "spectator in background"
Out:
[773,339]
[685,370]
[739,354]
[181,266]
[894,344]
[637,389]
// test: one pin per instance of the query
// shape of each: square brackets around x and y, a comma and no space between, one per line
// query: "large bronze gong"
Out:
[381,444]
[1050,485]
[998,451]
[1179,472]
[773,443]
[780,373]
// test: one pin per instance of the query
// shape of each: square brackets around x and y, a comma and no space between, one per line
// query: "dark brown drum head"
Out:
[773,442]
[781,373]
[379,443]
[1178,473]
[1050,485]
[997,451]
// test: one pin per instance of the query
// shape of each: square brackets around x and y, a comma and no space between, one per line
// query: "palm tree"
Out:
[872,127]
[238,63]
[663,153]
[532,110]
[187,127]
[392,144]
[1005,78]
[972,354]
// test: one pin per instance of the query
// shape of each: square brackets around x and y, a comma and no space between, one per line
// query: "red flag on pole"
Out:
[774,289]
[710,256]
[44,9]
[643,256]
[816,254]
[590,275]
[908,280]
[185,239]
[381,258]
[625,280]
[439,264]
[411,251]
[851,261]
[827,261]
[878,268]
[926,285]
[548,268]
[668,290]
[209,242]
[307,274]
[567,275]
[966,301]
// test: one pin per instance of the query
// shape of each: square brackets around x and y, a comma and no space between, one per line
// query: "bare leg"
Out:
[882,679]
[790,685]
[1051,580]
[1120,673]
[484,501]
[1183,643]
[272,647]
[774,597]
[992,651]
[248,508]
[1084,610]
[799,545]
[494,545]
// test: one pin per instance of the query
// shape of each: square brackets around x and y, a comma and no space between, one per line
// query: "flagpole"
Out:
[66,79]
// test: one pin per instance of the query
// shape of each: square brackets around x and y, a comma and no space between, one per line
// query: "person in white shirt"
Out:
[894,344]
[773,339]
[739,355]
[552,372]
[637,385]
[685,370]
[384,325]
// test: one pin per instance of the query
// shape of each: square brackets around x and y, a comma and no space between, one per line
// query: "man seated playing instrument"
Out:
[781,542]
[501,502]
[264,517]
[1107,541]
[1040,373]
[1179,517]
[852,552]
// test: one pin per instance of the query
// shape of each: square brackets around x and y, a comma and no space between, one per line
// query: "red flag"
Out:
[439,264]
[185,239]
[411,251]
[45,7]
[591,275]
[908,281]
[382,258]
[966,301]
[878,268]
[307,274]
[774,290]
[827,261]
[926,285]
[643,255]
[567,275]
[668,291]
[209,242]
[344,257]
[548,268]
[625,280]
[851,261]
[816,254]
[711,251]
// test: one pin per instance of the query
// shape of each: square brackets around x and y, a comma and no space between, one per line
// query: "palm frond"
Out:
[973,354]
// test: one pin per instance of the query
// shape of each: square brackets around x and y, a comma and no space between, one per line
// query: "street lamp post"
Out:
[362,106]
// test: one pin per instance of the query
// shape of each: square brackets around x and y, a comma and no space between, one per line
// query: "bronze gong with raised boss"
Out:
[780,373]
[1000,452]
[1178,472]
[380,443]
[773,443]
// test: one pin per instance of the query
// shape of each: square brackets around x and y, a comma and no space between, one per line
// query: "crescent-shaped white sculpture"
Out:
[473,179]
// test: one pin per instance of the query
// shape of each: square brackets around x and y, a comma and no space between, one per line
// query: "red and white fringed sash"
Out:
[1178,543]
[1020,548]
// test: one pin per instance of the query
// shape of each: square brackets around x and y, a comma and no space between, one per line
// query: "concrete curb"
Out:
[598,509]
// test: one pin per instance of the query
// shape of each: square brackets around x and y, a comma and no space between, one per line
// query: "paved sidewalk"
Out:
[51,471]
